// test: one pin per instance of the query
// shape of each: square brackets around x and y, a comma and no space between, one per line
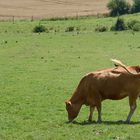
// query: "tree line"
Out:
[120,7]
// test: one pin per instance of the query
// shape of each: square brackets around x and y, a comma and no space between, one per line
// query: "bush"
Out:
[39,29]
[118,7]
[136,27]
[69,29]
[119,25]
[136,6]
[132,23]
[101,28]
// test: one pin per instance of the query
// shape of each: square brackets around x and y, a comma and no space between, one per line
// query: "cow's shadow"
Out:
[105,122]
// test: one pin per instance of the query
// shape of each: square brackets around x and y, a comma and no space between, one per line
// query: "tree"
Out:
[136,6]
[118,7]
[119,25]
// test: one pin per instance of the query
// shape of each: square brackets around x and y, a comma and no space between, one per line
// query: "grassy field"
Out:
[40,71]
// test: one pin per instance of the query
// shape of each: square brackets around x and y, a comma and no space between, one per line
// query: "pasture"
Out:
[40,71]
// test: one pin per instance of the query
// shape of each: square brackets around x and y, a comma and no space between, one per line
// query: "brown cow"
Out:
[114,83]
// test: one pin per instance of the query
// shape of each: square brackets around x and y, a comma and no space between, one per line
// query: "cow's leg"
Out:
[91,113]
[99,113]
[133,105]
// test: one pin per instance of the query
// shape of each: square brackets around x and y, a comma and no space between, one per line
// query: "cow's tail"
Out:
[119,63]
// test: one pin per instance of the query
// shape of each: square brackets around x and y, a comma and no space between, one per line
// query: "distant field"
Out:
[52,8]
[38,72]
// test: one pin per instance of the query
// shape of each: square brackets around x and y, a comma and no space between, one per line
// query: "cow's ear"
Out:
[68,103]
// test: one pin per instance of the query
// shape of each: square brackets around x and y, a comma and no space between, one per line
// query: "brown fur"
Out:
[95,87]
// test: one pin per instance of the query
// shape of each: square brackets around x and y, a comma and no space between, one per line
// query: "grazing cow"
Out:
[114,83]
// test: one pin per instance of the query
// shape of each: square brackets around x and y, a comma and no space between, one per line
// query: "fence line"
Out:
[15,18]
[32,18]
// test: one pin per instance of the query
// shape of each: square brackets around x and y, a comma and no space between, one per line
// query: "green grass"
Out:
[40,71]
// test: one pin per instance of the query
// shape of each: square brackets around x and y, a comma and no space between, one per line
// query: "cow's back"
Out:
[111,83]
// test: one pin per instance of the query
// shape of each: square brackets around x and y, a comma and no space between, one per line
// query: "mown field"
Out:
[51,8]
[38,72]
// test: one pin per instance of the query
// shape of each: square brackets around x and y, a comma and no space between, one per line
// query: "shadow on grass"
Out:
[104,122]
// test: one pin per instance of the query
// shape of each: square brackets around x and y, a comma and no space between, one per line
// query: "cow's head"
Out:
[72,110]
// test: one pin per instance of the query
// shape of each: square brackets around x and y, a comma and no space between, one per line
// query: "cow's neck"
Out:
[76,103]
[77,99]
